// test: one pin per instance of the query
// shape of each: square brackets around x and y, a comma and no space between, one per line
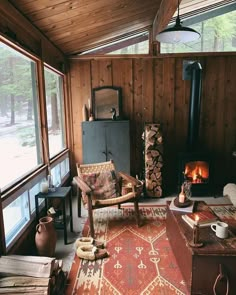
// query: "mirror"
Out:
[105,99]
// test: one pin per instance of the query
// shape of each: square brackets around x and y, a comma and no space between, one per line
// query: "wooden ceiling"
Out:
[75,26]
[78,25]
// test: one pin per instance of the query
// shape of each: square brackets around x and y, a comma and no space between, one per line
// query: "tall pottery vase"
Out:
[45,237]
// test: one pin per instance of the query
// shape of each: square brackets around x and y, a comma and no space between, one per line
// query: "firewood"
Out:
[159,181]
[149,162]
[33,266]
[21,281]
[153,147]
[32,275]
[149,186]
[160,159]
[148,155]
[154,153]
[25,290]
[150,134]
[158,175]
[153,176]
[150,143]
[159,139]
[156,169]
[159,164]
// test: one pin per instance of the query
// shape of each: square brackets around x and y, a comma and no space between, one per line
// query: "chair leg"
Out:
[79,201]
[136,211]
[90,214]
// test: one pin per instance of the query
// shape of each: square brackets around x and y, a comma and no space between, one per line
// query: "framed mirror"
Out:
[106,101]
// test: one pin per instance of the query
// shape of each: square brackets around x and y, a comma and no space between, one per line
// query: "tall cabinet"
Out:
[107,140]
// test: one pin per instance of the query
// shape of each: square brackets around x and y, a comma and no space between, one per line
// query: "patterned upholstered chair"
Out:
[100,186]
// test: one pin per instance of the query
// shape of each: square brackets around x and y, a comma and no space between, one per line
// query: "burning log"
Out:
[153,160]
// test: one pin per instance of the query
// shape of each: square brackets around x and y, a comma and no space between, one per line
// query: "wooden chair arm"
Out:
[82,185]
[129,178]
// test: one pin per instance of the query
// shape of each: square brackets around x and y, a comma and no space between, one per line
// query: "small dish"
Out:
[187,203]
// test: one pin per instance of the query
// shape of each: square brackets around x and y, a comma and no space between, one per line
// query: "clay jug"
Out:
[46,237]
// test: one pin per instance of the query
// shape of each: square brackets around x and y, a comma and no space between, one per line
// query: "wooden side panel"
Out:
[80,93]
[143,109]
[137,117]
[101,73]
[229,143]
[181,109]
[158,90]
[122,76]
[213,110]
[148,90]
[169,156]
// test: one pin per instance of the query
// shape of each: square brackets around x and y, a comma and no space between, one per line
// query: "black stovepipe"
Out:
[194,105]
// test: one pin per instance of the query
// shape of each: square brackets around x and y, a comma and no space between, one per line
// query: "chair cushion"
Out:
[104,184]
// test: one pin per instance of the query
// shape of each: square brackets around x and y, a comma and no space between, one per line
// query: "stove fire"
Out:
[197,171]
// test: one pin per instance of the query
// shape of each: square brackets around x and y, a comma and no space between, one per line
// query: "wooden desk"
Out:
[200,266]
[64,194]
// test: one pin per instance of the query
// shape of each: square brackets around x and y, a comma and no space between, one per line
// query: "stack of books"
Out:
[186,209]
[203,218]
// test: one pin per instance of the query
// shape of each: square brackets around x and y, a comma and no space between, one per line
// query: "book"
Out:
[201,217]
[187,209]
[191,223]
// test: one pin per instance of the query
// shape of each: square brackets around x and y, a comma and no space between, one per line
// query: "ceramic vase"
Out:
[45,237]
[85,113]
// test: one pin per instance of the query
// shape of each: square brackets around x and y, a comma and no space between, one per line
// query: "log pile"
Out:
[31,275]
[153,153]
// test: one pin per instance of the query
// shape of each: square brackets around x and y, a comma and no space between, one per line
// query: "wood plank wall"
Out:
[153,91]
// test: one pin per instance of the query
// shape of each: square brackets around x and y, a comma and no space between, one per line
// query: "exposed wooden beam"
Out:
[163,16]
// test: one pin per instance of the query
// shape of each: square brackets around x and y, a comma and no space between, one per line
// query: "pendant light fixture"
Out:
[177,33]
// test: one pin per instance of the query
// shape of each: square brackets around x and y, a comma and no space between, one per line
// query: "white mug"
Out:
[221,229]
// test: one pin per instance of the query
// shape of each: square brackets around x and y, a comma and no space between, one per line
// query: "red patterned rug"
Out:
[140,259]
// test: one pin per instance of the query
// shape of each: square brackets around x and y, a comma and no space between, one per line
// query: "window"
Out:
[21,140]
[55,111]
[20,210]
[21,205]
[20,148]
[134,44]
[137,48]
[218,34]
[34,191]
[60,170]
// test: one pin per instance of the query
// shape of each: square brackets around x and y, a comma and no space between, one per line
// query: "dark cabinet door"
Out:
[107,140]
[94,145]
[118,145]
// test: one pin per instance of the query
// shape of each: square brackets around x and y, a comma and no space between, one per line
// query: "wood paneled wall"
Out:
[154,91]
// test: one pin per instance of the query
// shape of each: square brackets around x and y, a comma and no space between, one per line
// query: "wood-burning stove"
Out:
[195,164]
[195,167]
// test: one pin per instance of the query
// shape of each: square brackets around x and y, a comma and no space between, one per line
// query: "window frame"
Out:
[37,61]
[7,200]
[39,173]
[62,111]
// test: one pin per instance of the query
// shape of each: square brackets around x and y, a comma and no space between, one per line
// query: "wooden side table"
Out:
[64,194]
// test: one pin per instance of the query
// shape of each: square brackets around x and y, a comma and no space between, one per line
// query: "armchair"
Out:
[100,186]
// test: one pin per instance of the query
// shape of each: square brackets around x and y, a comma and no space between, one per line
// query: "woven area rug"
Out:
[140,259]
